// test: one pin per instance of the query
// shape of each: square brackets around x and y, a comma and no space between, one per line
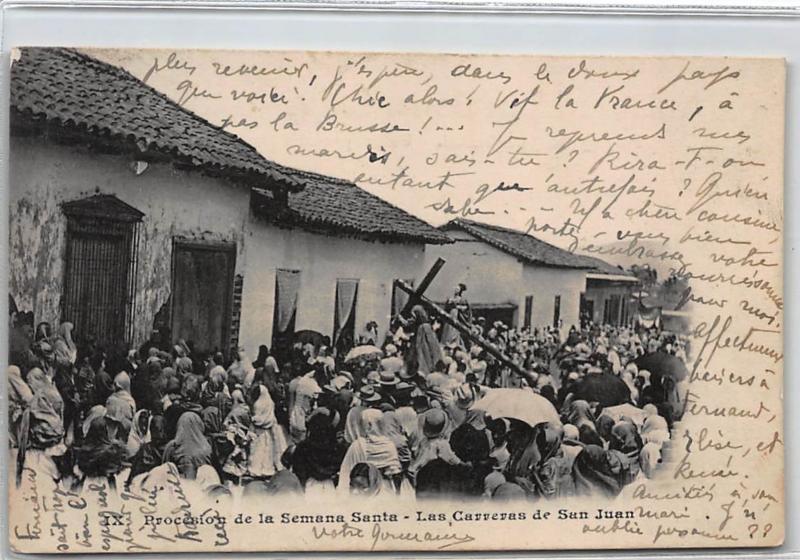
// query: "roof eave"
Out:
[611,277]
[289,218]
[25,122]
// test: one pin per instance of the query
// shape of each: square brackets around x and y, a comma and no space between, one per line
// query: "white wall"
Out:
[191,205]
[544,283]
[322,260]
[175,203]
[493,276]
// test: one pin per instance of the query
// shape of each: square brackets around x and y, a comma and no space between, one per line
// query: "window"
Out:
[528,319]
[557,311]
[344,315]
[284,317]
[100,269]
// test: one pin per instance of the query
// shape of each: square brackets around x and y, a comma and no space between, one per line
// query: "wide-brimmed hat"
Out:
[435,423]
[402,386]
[367,394]
[388,378]
[435,393]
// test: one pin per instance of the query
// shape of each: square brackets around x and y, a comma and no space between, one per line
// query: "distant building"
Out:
[130,214]
[523,281]
[608,297]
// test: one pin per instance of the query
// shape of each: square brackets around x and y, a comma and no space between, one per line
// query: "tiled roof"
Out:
[527,247]
[81,95]
[340,207]
[602,267]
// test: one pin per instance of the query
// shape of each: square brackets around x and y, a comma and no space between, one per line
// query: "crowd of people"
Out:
[398,416]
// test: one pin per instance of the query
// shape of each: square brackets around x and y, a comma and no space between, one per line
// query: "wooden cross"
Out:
[417,296]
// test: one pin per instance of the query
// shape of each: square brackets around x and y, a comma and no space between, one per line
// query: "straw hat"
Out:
[435,423]
[367,394]
[388,379]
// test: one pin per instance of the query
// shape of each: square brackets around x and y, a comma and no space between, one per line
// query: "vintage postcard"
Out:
[333,301]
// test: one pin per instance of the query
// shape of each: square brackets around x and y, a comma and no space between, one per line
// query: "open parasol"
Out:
[626,410]
[605,388]
[521,404]
[663,365]
[365,352]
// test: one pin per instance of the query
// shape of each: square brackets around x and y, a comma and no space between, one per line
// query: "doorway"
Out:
[100,269]
[202,293]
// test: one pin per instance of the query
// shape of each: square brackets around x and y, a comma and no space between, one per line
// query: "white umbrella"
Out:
[521,404]
[627,409]
[367,351]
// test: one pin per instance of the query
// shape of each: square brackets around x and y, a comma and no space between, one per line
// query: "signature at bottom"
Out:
[380,535]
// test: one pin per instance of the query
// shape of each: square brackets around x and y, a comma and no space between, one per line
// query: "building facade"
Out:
[523,281]
[123,226]
[608,299]
[510,276]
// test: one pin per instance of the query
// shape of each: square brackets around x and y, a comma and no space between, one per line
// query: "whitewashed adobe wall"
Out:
[189,205]
[491,275]
[544,284]
[322,260]
[175,203]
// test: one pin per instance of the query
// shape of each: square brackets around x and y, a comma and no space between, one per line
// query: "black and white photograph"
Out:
[274,301]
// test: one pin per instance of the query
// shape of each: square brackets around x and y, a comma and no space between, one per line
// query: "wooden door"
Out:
[96,282]
[202,292]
